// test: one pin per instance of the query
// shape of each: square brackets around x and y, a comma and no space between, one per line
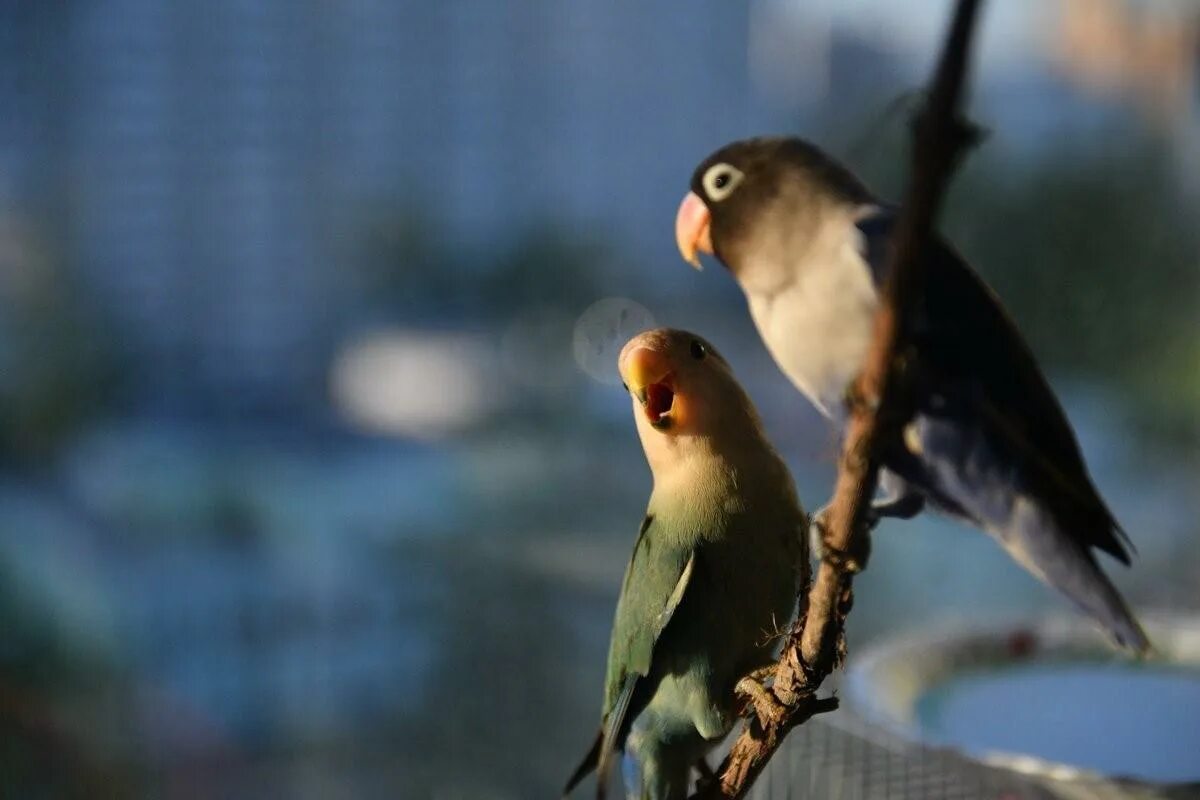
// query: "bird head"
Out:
[681,388]
[758,188]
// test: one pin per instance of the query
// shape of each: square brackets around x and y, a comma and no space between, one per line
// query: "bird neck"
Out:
[701,475]
[775,250]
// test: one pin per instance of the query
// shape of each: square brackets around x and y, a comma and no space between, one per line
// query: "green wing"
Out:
[655,582]
[654,585]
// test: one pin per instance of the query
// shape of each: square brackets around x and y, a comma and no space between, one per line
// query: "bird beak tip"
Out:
[692,229]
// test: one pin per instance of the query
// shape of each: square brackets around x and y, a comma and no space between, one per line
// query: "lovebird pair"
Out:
[722,549]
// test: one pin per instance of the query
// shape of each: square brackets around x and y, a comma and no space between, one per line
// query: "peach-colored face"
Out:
[674,378]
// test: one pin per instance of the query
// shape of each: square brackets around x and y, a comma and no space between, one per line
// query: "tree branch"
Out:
[880,404]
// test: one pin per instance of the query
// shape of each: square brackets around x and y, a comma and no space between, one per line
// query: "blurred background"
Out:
[315,475]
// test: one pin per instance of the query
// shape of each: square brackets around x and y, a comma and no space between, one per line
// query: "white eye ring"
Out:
[720,180]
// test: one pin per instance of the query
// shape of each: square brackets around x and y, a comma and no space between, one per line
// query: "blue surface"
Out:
[1124,720]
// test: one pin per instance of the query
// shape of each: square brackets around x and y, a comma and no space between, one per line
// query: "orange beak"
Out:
[692,229]
[648,374]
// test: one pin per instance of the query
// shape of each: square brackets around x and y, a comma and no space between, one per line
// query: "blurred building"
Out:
[1144,52]
[1147,50]
[207,171]
[205,165]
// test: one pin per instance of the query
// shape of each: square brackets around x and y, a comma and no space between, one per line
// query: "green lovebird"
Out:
[715,573]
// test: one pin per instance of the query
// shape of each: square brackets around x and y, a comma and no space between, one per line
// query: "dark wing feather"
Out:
[614,727]
[970,348]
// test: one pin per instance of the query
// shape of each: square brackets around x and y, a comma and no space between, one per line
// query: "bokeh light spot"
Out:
[602,330]
[411,383]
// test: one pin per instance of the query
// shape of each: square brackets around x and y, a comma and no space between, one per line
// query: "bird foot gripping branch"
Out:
[770,711]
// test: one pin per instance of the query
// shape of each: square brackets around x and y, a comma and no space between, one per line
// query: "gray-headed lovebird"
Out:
[715,571]
[989,443]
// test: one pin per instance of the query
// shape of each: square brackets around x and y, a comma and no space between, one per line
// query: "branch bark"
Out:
[880,404]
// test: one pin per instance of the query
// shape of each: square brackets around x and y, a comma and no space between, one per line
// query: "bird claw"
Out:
[767,708]
[852,560]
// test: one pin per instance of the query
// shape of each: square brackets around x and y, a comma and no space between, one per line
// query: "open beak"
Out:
[692,229]
[648,375]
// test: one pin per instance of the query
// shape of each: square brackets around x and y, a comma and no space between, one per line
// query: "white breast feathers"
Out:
[818,325]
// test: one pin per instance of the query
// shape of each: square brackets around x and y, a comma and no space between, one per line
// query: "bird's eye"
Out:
[698,350]
[625,386]
[720,180]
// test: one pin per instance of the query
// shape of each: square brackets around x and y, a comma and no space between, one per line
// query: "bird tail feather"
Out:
[588,764]
[1045,549]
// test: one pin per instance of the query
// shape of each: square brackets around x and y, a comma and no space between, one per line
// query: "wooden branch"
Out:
[880,404]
